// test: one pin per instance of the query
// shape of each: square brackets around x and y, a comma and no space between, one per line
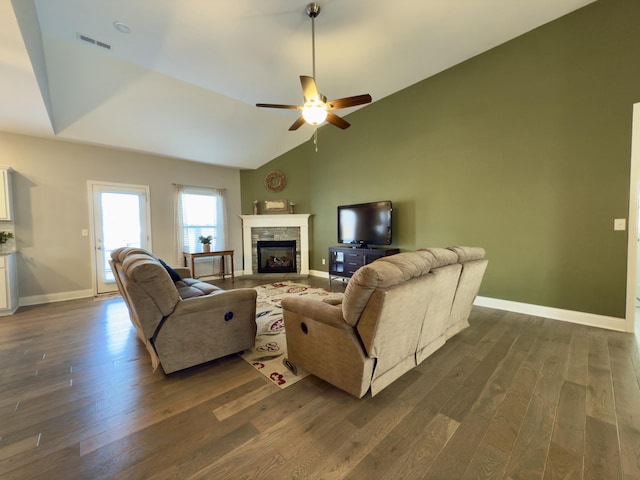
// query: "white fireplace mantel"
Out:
[300,220]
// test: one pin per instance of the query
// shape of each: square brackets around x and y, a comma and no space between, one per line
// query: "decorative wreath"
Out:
[274,181]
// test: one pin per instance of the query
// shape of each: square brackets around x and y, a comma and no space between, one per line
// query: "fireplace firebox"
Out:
[277,256]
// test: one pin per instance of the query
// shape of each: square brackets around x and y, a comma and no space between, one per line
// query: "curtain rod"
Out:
[196,186]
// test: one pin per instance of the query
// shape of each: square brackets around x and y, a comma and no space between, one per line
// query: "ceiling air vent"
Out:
[93,41]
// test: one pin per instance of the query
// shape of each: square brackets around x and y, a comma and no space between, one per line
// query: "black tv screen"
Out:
[365,223]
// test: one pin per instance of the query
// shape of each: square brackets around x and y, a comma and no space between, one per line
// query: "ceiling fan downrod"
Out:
[313,10]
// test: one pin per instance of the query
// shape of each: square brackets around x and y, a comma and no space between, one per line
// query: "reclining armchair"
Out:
[181,321]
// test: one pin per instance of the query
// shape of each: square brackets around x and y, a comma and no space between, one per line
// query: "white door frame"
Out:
[91,184]
[632,233]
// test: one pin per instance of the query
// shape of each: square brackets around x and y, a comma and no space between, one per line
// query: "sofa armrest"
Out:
[319,311]
[322,343]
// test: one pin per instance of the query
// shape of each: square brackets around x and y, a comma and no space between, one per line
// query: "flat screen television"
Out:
[365,224]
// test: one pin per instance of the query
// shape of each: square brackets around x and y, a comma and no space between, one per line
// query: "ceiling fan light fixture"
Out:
[314,113]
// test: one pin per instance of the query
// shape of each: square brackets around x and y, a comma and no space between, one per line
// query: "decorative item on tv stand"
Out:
[206,243]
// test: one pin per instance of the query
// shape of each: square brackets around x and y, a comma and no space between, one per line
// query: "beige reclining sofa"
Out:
[182,322]
[395,312]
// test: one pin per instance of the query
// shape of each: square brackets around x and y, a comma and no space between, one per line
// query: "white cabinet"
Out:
[8,284]
[8,269]
[6,204]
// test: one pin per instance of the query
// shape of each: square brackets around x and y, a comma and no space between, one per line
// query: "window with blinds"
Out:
[202,214]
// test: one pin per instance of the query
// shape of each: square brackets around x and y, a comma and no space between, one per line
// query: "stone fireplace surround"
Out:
[279,223]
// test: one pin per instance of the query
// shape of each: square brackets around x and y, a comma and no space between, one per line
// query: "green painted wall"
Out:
[524,150]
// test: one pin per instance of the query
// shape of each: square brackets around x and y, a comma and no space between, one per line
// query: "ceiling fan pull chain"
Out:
[315,137]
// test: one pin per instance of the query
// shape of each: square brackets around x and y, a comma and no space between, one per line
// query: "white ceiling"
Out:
[185,81]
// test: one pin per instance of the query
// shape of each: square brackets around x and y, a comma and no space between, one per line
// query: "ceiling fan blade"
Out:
[349,101]
[277,105]
[309,88]
[297,124]
[334,119]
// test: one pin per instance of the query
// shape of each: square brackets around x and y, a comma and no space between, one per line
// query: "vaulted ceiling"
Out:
[185,80]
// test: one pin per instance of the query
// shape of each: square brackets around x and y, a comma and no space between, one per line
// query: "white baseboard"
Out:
[55,297]
[582,318]
[318,273]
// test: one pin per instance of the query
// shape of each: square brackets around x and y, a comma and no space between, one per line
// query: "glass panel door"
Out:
[120,219]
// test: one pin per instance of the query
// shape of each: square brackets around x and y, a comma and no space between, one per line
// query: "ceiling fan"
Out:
[316,109]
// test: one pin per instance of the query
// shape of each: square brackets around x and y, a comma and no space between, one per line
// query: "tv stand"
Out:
[344,261]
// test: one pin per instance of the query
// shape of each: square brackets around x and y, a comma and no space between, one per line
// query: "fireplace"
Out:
[281,227]
[277,256]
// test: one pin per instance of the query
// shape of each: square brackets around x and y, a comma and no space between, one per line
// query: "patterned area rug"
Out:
[271,343]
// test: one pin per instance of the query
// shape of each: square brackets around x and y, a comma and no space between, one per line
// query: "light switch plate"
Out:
[620,224]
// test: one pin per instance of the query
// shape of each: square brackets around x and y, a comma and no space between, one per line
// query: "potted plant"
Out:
[206,242]
[5,236]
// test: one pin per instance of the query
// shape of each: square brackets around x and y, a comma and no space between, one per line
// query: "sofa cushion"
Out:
[147,272]
[441,256]
[409,264]
[382,273]
[467,254]
[189,288]
[473,268]
[119,254]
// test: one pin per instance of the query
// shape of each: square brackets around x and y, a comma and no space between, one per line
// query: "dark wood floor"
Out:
[513,396]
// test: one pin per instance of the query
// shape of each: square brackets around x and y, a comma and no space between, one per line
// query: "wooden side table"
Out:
[190,257]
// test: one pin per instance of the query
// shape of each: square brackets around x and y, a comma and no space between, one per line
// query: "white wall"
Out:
[51,207]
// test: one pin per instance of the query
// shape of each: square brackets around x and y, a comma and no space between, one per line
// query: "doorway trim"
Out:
[632,233]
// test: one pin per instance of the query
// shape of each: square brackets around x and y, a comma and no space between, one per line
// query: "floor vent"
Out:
[93,41]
